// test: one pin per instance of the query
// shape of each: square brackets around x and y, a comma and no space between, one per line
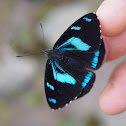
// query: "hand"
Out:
[112,16]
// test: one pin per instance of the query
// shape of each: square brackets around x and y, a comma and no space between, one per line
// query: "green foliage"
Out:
[33,99]
[93,120]
[4,113]
[67,121]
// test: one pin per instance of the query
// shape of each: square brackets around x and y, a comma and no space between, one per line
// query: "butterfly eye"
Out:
[59,57]
[66,60]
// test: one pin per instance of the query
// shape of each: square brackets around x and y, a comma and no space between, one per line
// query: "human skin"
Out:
[112,16]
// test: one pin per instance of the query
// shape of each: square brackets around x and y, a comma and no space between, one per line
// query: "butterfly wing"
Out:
[90,60]
[60,87]
[63,84]
[94,60]
[83,35]
[80,73]
[80,47]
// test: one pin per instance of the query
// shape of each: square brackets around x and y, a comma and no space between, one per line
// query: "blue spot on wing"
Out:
[52,100]
[60,75]
[95,59]
[77,44]
[87,19]
[75,28]
[50,86]
[87,79]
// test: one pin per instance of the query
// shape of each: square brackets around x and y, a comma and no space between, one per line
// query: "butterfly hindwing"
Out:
[60,87]
[63,84]
[80,73]
[83,35]
[95,60]
[90,60]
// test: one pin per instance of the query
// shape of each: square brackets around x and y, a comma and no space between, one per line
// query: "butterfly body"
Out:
[79,50]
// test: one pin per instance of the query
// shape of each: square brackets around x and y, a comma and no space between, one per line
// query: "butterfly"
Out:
[79,50]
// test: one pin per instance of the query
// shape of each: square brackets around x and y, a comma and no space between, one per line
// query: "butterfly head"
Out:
[53,54]
[46,52]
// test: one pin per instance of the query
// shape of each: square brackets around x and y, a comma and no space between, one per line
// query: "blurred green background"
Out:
[22,96]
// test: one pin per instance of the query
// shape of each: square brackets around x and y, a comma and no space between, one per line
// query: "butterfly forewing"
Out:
[83,35]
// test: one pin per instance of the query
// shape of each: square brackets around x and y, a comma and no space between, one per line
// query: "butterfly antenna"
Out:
[45,51]
[43,34]
[30,54]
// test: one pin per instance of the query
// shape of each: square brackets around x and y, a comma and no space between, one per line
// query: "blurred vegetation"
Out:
[5,113]
[68,121]
[93,120]
[33,99]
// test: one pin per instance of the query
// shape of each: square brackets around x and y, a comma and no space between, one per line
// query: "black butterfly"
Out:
[79,50]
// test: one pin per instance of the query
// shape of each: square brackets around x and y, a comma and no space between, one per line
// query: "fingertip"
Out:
[112,17]
[111,103]
[113,99]
[104,101]
[115,46]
